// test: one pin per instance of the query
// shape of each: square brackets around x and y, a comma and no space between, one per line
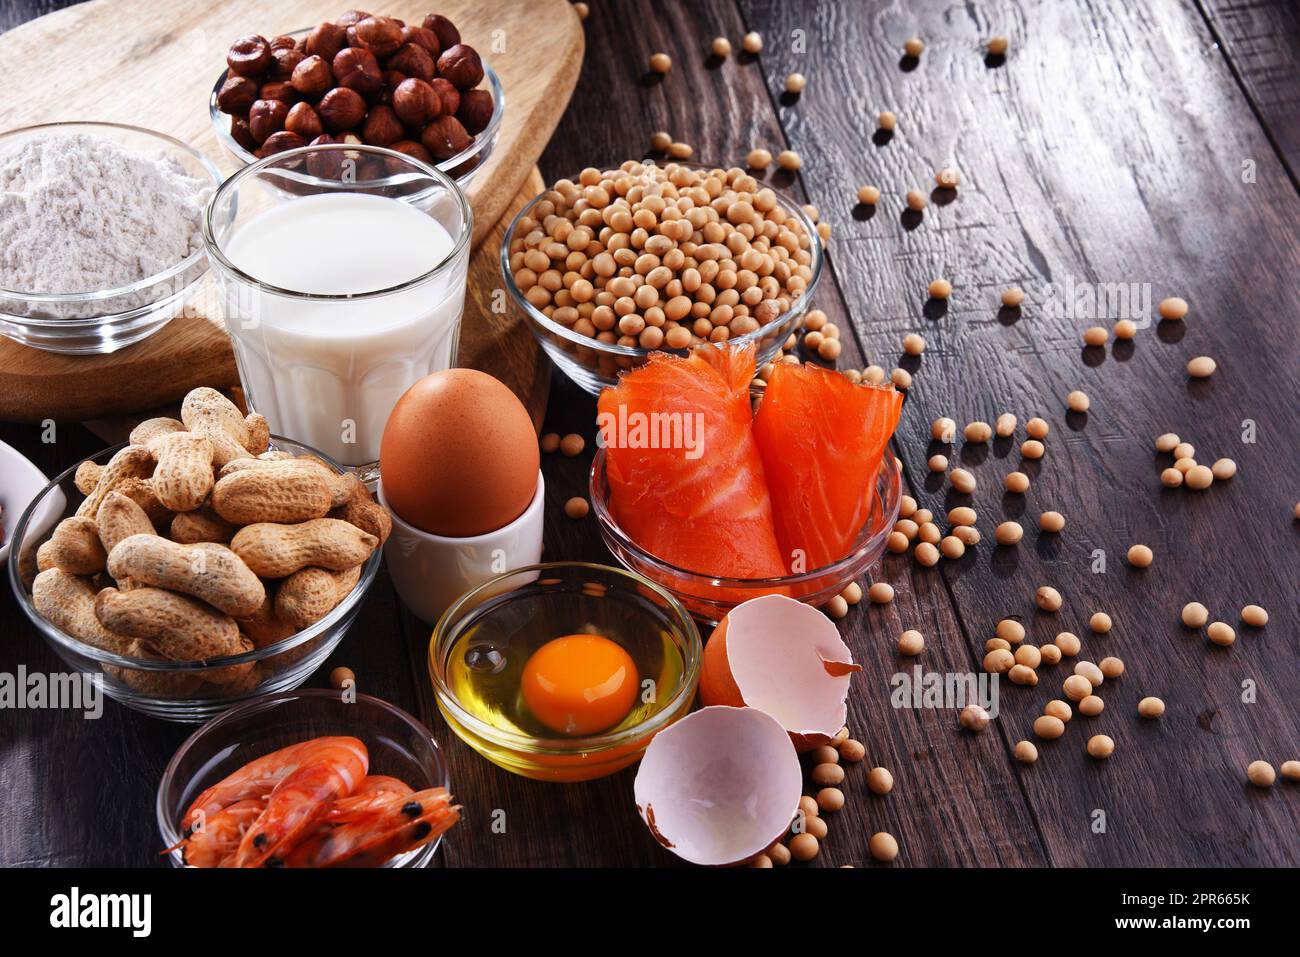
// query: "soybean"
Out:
[1221,633]
[880,781]
[1140,556]
[1049,727]
[1009,533]
[1151,707]
[1047,598]
[1017,483]
[974,718]
[1100,746]
[1261,774]
[883,847]
[1255,616]
[911,642]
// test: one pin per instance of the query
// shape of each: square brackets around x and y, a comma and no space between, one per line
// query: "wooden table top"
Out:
[1156,145]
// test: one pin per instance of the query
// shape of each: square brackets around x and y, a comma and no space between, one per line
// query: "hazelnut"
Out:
[351,18]
[443,29]
[342,109]
[382,127]
[358,70]
[237,95]
[326,164]
[423,38]
[278,90]
[475,111]
[283,43]
[461,65]
[412,60]
[444,137]
[326,40]
[380,35]
[250,56]
[242,135]
[416,103]
[448,94]
[284,61]
[266,117]
[312,77]
[305,121]
[280,142]
[412,149]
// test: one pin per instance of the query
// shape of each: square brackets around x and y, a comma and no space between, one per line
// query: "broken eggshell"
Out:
[719,786]
[784,658]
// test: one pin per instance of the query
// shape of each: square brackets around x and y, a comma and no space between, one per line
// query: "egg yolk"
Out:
[580,684]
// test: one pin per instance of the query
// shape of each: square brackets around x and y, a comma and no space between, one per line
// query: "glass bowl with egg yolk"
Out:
[564,671]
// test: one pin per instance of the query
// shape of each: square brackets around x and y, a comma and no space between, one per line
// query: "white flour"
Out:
[81,213]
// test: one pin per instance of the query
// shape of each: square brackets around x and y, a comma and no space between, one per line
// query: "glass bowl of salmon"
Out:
[594,363]
[709,597]
[230,765]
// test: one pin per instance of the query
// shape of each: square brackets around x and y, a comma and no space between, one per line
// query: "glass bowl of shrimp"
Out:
[307,778]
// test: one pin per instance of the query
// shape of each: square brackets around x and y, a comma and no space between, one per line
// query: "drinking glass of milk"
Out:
[342,271]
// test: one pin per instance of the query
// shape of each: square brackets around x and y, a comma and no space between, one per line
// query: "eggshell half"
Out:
[784,658]
[719,786]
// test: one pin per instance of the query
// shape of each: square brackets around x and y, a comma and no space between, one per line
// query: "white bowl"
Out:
[20,483]
[431,571]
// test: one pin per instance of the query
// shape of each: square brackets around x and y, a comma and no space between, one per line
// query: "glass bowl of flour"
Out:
[101,240]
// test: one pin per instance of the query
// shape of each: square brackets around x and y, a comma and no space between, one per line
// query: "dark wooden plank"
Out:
[1105,149]
[14,12]
[1261,41]
[969,779]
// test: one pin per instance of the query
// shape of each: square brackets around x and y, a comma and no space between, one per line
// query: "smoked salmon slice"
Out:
[686,479]
[821,439]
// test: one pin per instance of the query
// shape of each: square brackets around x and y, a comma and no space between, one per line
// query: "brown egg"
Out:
[459,455]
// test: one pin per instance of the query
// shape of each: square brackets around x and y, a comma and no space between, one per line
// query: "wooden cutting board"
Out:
[153,65]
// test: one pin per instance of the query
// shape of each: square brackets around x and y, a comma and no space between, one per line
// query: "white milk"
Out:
[328,372]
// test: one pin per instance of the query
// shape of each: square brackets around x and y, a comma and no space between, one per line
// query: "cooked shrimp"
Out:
[368,829]
[259,778]
[215,843]
[381,783]
[329,768]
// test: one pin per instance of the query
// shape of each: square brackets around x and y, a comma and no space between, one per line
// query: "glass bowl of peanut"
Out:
[181,585]
[611,266]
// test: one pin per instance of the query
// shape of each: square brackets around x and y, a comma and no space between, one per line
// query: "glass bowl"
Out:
[99,321]
[175,690]
[462,167]
[709,597]
[567,598]
[399,745]
[593,364]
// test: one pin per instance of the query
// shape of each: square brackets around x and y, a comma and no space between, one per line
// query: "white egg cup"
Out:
[431,571]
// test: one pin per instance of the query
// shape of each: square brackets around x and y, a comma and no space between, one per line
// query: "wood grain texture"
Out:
[1106,148]
[537,51]
[1261,43]
[1074,169]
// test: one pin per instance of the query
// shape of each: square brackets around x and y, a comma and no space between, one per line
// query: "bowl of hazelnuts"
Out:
[362,78]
